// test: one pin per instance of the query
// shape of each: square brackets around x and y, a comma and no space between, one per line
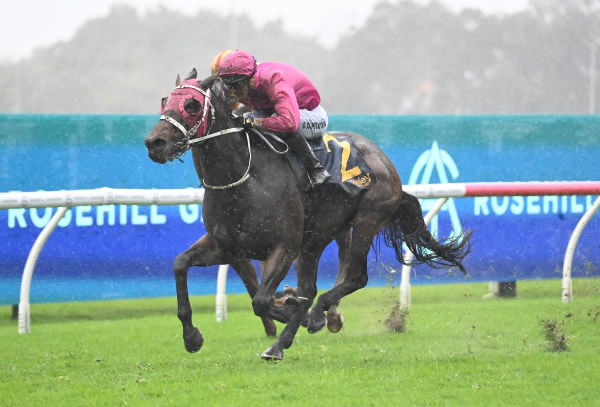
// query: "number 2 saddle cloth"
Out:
[345,164]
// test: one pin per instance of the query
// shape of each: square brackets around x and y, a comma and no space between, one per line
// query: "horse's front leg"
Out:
[273,271]
[285,340]
[202,253]
[306,269]
[245,269]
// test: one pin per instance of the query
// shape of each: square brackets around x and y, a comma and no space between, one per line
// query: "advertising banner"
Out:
[127,251]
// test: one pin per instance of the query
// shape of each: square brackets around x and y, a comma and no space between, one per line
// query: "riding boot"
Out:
[317,174]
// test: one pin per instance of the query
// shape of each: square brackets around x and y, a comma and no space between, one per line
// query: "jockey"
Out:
[282,100]
[236,107]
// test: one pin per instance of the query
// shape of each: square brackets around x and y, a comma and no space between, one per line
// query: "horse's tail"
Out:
[407,226]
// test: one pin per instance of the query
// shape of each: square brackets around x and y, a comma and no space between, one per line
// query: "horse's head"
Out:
[186,114]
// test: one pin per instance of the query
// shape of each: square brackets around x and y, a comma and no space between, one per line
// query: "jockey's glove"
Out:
[245,122]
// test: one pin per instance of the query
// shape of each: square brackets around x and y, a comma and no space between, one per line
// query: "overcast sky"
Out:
[29,24]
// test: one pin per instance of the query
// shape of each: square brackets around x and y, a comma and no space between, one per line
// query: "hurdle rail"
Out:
[67,199]
[109,196]
[463,190]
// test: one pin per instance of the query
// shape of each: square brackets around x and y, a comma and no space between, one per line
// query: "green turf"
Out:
[457,350]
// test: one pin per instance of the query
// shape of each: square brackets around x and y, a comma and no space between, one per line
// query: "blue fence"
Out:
[127,251]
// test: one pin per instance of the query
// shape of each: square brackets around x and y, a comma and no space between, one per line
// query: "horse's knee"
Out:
[260,306]
[181,264]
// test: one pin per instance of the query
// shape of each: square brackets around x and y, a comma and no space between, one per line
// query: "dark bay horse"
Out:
[254,208]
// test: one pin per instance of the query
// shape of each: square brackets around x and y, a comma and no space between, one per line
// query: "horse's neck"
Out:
[223,160]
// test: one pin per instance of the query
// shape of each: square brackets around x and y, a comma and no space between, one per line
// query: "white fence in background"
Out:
[107,196]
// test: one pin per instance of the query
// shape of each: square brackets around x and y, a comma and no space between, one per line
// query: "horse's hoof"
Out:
[272,354]
[194,341]
[315,325]
[335,323]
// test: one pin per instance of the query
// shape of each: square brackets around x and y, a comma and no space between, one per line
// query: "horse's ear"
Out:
[178,80]
[192,75]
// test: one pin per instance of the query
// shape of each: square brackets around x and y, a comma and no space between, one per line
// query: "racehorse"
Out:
[255,208]
[335,319]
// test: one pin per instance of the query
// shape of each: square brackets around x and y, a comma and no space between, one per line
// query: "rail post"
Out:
[405,282]
[221,297]
[567,282]
[32,258]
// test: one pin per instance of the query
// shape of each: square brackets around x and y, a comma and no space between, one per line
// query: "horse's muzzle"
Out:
[157,149]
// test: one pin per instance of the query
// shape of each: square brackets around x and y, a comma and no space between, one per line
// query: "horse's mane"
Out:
[213,83]
[209,81]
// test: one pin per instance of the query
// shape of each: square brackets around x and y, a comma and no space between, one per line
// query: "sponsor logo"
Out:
[103,215]
[436,166]
[314,125]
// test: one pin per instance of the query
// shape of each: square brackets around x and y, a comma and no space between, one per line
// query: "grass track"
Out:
[457,350]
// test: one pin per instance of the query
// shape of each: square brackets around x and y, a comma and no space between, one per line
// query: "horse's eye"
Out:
[192,106]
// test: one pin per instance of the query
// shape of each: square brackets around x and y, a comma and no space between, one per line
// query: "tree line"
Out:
[406,59]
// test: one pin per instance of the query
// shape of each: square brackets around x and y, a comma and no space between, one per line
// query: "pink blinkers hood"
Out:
[176,100]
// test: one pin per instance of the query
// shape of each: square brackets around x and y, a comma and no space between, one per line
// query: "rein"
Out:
[246,175]
[190,140]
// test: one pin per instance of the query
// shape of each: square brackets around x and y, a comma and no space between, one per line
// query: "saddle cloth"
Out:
[337,154]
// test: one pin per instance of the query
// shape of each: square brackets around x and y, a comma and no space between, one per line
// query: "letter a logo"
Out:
[423,173]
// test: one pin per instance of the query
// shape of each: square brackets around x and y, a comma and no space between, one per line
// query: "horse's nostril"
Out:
[158,144]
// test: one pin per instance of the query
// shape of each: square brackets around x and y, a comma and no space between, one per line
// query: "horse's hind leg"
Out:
[335,320]
[356,277]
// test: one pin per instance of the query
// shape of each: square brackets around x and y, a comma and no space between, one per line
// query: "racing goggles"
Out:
[234,82]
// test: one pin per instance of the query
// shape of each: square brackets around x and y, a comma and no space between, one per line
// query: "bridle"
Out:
[190,137]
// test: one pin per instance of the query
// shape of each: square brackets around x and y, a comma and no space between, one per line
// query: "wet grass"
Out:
[456,349]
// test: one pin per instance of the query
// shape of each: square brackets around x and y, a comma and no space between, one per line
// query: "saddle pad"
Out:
[346,166]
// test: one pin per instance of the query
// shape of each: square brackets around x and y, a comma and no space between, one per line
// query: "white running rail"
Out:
[106,196]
